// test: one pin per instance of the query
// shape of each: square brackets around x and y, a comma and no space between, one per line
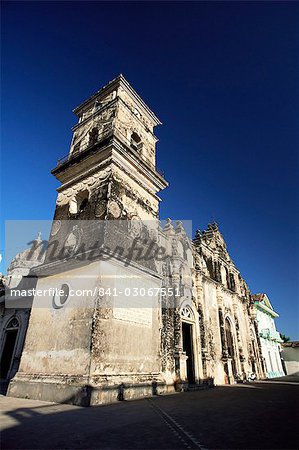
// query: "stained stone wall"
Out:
[224,296]
[134,199]
[217,294]
[94,340]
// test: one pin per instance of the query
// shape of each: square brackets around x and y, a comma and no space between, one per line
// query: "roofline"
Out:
[263,294]
[266,309]
[120,80]
[293,344]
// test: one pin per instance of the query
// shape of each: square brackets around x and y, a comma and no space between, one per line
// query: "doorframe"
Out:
[17,341]
[194,336]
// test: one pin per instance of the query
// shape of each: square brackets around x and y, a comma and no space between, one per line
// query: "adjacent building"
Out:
[290,356]
[270,338]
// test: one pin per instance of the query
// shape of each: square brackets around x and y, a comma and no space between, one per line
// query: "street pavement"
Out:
[251,416]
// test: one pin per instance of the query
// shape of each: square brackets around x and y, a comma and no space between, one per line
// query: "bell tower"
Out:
[96,341]
[110,171]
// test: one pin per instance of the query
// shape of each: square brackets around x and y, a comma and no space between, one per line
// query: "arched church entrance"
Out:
[9,347]
[187,343]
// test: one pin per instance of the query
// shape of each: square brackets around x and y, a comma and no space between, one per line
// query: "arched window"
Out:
[82,199]
[79,202]
[8,352]
[136,143]
[93,136]
[13,324]
[186,313]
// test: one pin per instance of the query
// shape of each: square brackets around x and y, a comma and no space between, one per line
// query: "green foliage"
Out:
[284,337]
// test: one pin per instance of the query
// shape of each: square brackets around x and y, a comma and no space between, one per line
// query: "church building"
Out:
[130,306]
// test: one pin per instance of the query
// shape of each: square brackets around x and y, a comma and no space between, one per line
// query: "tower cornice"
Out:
[117,82]
[102,153]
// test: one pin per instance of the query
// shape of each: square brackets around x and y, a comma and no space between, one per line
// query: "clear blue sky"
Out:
[222,77]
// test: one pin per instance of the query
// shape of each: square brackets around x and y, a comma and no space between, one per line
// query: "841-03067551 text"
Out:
[139,292]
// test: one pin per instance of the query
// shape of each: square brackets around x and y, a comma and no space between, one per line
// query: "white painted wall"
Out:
[270,347]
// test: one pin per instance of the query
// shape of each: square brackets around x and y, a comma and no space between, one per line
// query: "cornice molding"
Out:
[117,82]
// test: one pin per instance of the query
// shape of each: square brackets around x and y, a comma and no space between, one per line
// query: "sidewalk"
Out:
[254,416]
[287,379]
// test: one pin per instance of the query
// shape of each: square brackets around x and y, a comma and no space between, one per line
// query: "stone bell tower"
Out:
[110,171]
[82,348]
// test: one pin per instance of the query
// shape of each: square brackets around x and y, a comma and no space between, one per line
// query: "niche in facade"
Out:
[93,137]
[79,202]
[136,142]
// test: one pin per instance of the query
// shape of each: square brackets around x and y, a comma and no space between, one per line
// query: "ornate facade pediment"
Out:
[213,240]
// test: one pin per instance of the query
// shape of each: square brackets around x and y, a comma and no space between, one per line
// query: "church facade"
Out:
[154,310]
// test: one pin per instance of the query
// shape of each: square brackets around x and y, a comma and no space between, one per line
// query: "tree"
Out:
[284,337]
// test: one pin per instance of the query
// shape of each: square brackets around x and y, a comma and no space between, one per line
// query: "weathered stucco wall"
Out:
[58,339]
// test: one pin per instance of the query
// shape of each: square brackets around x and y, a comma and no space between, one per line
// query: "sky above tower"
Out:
[223,79]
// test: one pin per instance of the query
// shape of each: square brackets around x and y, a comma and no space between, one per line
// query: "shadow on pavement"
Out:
[254,416]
